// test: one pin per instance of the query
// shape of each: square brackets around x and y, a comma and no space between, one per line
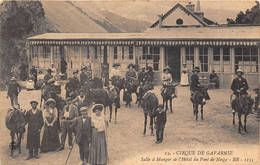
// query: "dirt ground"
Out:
[126,144]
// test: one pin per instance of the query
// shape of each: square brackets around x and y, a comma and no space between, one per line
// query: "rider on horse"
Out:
[72,86]
[130,74]
[149,77]
[239,87]
[85,76]
[115,73]
[167,81]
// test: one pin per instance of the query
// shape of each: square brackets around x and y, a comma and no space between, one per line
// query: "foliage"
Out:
[19,20]
[251,16]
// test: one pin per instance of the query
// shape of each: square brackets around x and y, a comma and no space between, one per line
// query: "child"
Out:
[35,123]
[98,150]
[84,133]
[160,121]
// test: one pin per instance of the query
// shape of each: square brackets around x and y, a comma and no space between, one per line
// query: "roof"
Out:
[204,21]
[188,33]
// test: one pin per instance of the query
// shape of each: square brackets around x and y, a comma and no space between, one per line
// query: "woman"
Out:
[167,82]
[184,76]
[50,139]
[98,149]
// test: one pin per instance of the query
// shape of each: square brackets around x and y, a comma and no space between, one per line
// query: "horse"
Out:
[149,103]
[198,98]
[107,97]
[15,121]
[130,88]
[167,96]
[242,105]
[44,93]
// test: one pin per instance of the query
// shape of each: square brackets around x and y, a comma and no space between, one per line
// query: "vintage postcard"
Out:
[128,82]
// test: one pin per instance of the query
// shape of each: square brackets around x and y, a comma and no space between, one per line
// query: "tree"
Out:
[19,20]
[251,16]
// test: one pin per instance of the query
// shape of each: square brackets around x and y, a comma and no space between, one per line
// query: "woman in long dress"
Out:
[184,76]
[98,149]
[50,139]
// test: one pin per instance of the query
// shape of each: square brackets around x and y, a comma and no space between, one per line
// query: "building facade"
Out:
[182,35]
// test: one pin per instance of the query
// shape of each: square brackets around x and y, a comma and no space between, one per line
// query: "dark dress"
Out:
[194,85]
[50,139]
[35,123]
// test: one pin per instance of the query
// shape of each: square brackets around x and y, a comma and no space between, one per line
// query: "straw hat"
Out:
[239,70]
[97,107]
[50,100]
[167,68]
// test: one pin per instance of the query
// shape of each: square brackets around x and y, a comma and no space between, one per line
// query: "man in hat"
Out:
[70,111]
[167,81]
[48,76]
[149,77]
[34,73]
[80,100]
[84,76]
[195,84]
[142,76]
[213,78]
[14,89]
[160,121]
[130,74]
[84,133]
[35,122]
[239,86]
[75,81]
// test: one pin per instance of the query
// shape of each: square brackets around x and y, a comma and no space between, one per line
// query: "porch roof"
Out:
[174,35]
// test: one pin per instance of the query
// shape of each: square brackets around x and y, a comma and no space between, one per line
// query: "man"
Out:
[130,74]
[75,82]
[80,100]
[239,86]
[160,121]
[34,74]
[213,78]
[63,66]
[48,76]
[35,122]
[141,76]
[69,112]
[54,72]
[84,76]
[14,89]
[195,84]
[84,134]
[149,76]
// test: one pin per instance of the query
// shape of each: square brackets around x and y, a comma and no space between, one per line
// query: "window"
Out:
[179,21]
[96,53]
[189,55]
[85,56]
[216,59]
[41,56]
[115,53]
[246,58]
[123,52]
[150,57]
[203,59]
[226,59]
[131,56]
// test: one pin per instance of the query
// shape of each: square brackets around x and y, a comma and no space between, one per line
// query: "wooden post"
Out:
[232,58]
[258,65]
[52,57]
[80,56]
[196,56]
[210,59]
[162,58]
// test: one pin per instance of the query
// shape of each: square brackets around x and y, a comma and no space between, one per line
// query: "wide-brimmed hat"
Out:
[51,80]
[13,78]
[196,69]
[50,100]
[97,107]
[116,64]
[130,65]
[49,71]
[167,68]
[239,70]
[84,68]
[33,101]
[83,109]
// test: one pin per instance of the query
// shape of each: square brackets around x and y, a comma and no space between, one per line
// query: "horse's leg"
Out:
[110,108]
[116,114]
[41,102]
[12,143]
[245,124]
[166,100]
[19,137]
[239,122]
[201,111]
[234,115]
[196,110]
[145,122]
[151,125]
[171,105]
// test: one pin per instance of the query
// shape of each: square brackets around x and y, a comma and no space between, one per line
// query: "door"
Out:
[174,60]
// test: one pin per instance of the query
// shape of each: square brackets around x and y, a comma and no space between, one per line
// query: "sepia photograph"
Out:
[129,82]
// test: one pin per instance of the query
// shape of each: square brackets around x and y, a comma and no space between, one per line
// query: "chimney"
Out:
[160,20]
[198,12]
[191,7]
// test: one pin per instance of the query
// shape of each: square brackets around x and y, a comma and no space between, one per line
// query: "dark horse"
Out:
[242,105]
[15,121]
[130,88]
[198,98]
[45,94]
[167,96]
[97,94]
[149,103]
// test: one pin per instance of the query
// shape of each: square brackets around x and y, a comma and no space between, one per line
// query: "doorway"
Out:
[173,60]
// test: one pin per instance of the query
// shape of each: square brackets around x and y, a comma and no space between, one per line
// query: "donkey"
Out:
[242,105]
[198,98]
[15,121]
[167,96]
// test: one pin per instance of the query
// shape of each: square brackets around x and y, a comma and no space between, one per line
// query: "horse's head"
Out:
[246,103]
